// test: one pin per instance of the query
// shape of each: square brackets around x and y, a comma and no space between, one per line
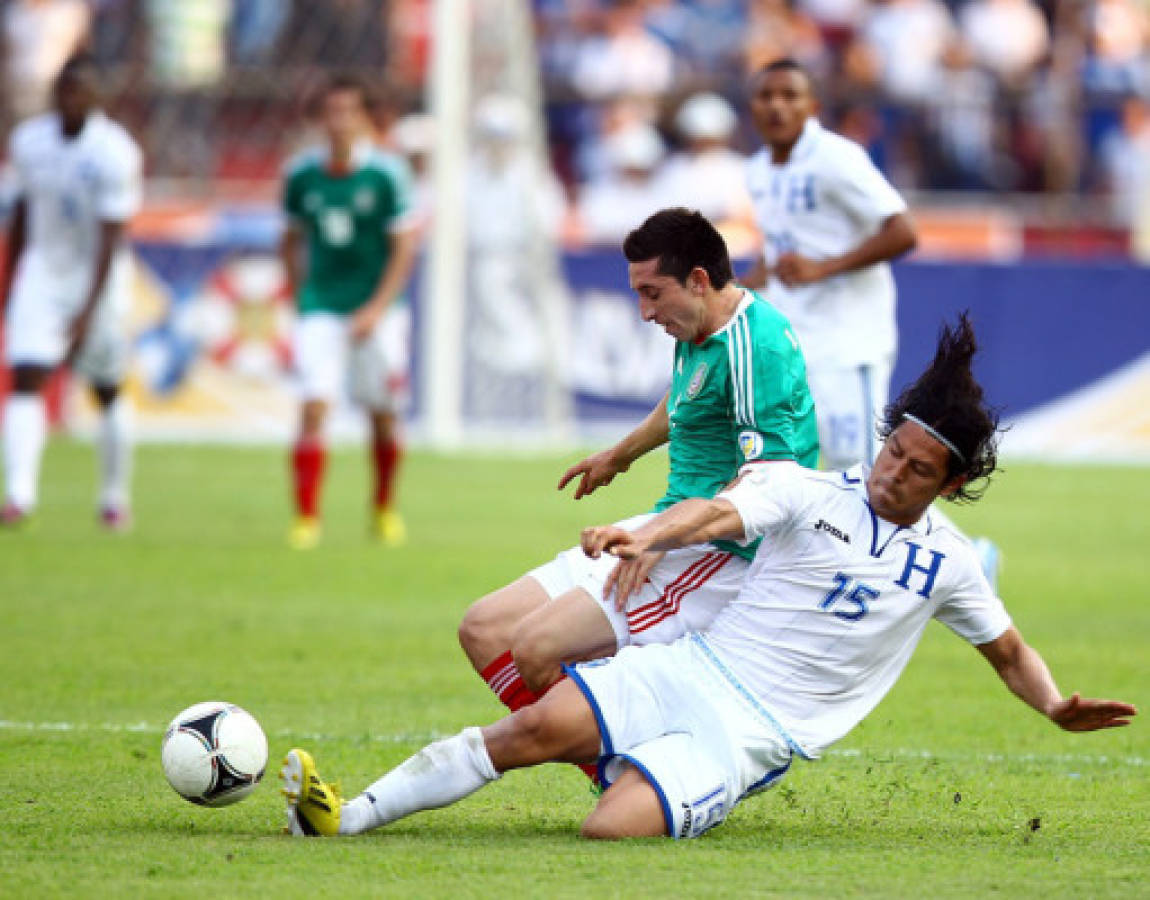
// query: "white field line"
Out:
[420,738]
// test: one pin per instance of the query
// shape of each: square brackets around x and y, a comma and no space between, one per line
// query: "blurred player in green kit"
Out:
[348,249]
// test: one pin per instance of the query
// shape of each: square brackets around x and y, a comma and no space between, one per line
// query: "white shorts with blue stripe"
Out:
[700,739]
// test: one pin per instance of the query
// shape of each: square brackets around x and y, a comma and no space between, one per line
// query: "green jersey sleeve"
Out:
[398,190]
[774,415]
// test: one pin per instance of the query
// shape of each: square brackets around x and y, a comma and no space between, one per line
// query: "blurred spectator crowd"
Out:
[1043,96]
[642,96]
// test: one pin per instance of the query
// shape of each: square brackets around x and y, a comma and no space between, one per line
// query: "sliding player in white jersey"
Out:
[67,283]
[831,223]
[850,569]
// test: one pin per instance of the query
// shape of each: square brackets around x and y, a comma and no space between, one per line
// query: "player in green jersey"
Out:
[738,393]
[348,249]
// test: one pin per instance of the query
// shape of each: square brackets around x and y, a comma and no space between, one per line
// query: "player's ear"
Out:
[699,280]
[952,487]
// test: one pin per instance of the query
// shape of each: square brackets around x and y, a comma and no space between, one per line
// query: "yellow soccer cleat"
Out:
[389,528]
[304,534]
[314,806]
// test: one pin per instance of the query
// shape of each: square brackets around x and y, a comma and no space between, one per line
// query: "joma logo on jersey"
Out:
[833,531]
[696,383]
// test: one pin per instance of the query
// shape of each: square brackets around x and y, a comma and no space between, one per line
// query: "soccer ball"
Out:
[214,754]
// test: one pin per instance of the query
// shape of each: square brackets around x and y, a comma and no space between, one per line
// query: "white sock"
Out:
[438,775]
[115,449]
[25,429]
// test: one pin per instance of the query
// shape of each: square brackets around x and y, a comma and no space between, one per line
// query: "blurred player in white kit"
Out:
[76,175]
[831,223]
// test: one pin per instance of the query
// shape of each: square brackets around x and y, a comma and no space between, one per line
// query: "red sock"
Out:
[507,684]
[308,459]
[385,455]
[504,679]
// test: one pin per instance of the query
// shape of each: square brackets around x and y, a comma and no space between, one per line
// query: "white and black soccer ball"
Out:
[214,753]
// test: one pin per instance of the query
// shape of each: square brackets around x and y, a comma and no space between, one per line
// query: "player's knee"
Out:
[28,379]
[605,825]
[482,631]
[535,731]
[536,651]
[105,394]
[312,420]
[599,828]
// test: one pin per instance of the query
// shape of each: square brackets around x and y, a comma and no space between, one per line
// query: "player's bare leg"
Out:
[490,622]
[385,453]
[486,632]
[115,451]
[629,808]
[25,431]
[560,728]
[308,459]
[542,634]
[571,628]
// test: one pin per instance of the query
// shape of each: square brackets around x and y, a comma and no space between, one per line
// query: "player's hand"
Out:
[77,331]
[363,322]
[793,269]
[600,539]
[1077,713]
[597,470]
[629,575]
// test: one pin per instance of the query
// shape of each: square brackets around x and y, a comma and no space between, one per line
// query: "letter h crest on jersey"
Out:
[929,571]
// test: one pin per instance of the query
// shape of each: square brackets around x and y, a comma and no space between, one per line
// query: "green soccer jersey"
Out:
[347,220]
[739,395]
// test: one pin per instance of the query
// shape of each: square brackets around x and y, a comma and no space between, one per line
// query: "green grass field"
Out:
[951,787]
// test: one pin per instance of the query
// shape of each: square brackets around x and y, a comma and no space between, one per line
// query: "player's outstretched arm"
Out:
[1023,670]
[693,521]
[600,468]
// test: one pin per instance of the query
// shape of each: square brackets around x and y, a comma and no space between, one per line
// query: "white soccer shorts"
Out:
[695,734]
[849,404]
[41,309]
[372,372]
[683,593]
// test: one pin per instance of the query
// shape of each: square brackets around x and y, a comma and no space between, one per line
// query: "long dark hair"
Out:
[947,399]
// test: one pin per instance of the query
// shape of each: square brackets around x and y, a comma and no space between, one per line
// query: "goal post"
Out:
[496,331]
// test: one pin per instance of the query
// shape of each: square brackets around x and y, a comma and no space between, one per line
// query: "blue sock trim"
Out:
[668,819]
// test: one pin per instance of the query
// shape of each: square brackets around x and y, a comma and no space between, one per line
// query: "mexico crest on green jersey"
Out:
[696,383]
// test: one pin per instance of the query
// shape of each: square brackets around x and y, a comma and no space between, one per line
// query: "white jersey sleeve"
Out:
[860,188]
[119,191]
[970,609]
[767,497]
